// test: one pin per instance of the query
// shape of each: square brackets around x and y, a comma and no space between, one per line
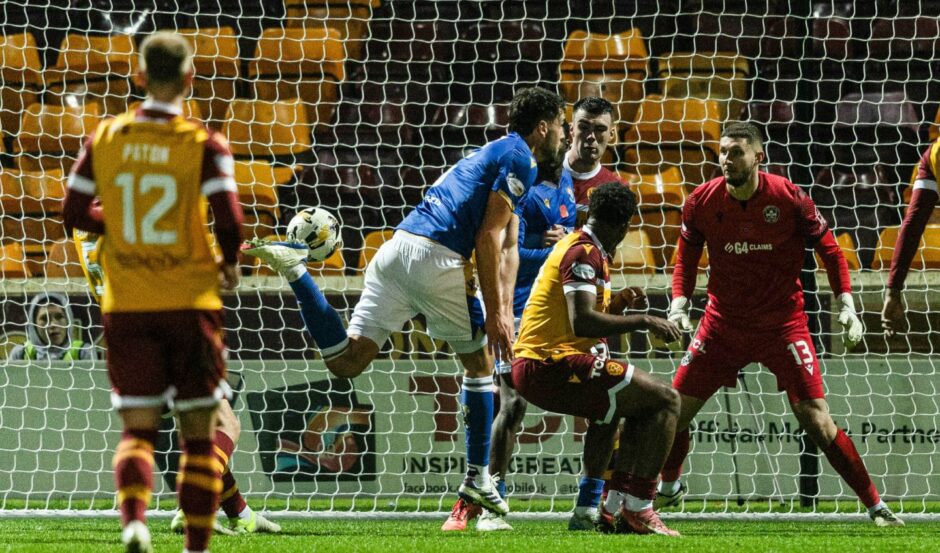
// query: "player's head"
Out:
[166,66]
[741,151]
[592,130]
[610,209]
[538,116]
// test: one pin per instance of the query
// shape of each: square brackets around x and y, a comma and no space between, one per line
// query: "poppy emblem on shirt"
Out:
[771,214]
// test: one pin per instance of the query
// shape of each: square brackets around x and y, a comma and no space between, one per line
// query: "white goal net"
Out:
[358,105]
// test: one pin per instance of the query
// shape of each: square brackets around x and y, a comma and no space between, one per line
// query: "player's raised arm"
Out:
[689,252]
[923,201]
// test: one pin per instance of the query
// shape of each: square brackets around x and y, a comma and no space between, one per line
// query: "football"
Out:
[317,228]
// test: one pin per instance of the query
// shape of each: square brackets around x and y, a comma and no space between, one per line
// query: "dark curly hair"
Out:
[612,204]
[741,129]
[531,105]
[593,105]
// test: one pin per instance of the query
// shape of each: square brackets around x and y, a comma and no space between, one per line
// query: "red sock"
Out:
[133,473]
[845,459]
[620,481]
[198,486]
[642,488]
[231,499]
[672,469]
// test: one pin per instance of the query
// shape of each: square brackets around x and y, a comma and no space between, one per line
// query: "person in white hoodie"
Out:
[49,332]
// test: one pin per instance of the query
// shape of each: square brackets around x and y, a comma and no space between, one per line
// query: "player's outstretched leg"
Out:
[598,444]
[133,476]
[506,425]
[653,407]
[289,259]
[813,415]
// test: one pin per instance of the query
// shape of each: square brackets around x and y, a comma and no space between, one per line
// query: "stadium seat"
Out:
[305,63]
[611,66]
[257,192]
[93,69]
[848,251]
[719,76]
[13,261]
[385,114]
[371,244]
[904,38]
[349,19]
[63,261]
[31,206]
[634,254]
[702,262]
[830,31]
[726,29]
[660,197]
[275,131]
[20,78]
[928,252]
[51,135]
[674,132]
[503,54]
[216,64]
[191,109]
[467,125]
[880,127]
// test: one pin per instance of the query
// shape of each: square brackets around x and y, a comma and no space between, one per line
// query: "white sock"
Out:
[873,508]
[482,477]
[588,511]
[635,504]
[614,499]
[245,514]
[295,272]
[669,488]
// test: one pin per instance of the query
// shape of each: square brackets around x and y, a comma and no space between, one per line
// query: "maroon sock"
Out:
[620,481]
[672,469]
[133,473]
[198,486]
[231,499]
[845,459]
[643,488]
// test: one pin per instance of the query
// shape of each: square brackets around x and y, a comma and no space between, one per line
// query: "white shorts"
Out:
[411,275]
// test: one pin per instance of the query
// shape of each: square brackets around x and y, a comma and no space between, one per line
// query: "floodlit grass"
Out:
[87,535]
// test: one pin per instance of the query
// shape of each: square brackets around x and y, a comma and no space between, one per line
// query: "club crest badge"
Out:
[771,214]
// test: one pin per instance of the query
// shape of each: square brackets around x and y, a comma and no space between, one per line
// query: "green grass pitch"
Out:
[97,535]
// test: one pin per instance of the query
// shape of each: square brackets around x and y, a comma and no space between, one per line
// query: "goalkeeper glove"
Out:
[679,313]
[852,329]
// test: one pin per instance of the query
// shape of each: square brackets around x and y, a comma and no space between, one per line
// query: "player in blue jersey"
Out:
[424,268]
[545,216]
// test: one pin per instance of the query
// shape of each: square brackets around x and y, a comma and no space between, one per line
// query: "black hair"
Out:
[612,204]
[531,105]
[593,105]
[742,129]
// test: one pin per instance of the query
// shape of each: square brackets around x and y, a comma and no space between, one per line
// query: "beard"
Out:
[739,179]
[550,166]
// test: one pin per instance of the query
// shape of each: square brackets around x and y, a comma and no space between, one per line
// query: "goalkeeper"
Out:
[242,519]
[757,226]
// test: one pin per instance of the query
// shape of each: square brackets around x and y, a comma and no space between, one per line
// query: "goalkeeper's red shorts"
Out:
[174,358]
[719,351]
[579,385]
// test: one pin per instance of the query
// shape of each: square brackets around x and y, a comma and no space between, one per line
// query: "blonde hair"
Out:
[165,58]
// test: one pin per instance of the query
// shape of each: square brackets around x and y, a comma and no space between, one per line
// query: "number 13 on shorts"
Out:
[802,354]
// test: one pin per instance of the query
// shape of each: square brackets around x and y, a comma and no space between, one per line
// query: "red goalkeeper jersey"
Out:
[756,251]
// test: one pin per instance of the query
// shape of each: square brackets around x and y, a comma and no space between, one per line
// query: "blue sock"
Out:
[501,488]
[589,492]
[322,321]
[476,395]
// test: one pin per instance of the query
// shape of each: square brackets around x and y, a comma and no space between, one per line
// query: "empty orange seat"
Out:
[191,109]
[634,255]
[371,244]
[216,63]
[51,135]
[350,20]
[94,69]
[928,252]
[13,261]
[268,129]
[305,63]
[702,262]
[675,132]
[63,261]
[257,192]
[720,76]
[611,66]
[31,204]
[20,78]
[654,190]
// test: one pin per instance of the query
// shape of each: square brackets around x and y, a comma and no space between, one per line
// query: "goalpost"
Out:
[356,106]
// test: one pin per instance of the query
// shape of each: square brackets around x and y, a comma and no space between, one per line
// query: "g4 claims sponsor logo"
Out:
[746,247]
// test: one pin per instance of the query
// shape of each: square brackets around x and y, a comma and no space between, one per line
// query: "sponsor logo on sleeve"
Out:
[516,186]
[583,271]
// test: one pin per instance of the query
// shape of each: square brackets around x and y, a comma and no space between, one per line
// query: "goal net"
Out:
[357,106]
